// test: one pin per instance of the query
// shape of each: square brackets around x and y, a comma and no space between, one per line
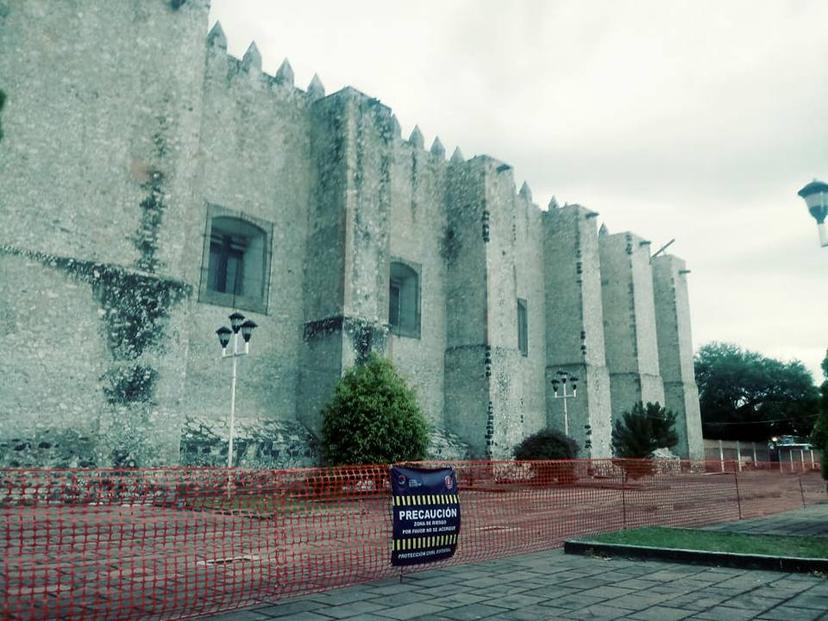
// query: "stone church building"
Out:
[151,184]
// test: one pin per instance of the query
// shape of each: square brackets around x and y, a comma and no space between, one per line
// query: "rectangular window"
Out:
[235,268]
[394,304]
[404,299]
[523,327]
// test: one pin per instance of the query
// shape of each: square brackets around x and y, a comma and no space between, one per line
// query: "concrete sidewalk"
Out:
[551,585]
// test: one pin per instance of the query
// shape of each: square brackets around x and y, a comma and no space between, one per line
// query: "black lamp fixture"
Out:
[224,336]
[247,329]
[815,195]
[236,320]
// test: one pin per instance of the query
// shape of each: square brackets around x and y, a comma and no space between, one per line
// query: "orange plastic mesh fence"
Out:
[183,542]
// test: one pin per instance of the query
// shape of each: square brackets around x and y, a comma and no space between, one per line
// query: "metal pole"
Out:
[813,465]
[790,454]
[739,455]
[738,496]
[802,458]
[566,412]
[233,402]
[721,455]
[754,454]
[802,492]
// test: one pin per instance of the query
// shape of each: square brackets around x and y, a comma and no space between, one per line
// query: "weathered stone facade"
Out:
[128,135]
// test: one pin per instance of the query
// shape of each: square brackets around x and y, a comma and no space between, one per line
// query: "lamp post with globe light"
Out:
[237,325]
[816,199]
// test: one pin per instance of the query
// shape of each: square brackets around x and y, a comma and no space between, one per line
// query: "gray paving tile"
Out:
[462,598]
[473,611]
[342,596]
[597,612]
[608,592]
[662,613]
[517,601]
[575,601]
[411,611]
[344,611]
[791,613]
[726,613]
[289,608]
[410,597]
[534,613]
[391,589]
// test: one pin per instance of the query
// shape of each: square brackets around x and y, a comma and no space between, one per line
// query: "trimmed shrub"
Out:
[373,418]
[549,444]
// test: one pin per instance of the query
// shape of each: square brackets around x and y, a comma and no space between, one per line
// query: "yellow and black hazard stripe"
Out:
[430,499]
[417,543]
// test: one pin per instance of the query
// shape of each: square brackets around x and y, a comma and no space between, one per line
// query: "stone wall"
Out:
[126,130]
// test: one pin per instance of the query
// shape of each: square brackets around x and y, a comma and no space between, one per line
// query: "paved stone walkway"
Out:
[811,521]
[552,585]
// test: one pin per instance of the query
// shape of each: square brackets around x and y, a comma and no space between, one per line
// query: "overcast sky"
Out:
[697,120]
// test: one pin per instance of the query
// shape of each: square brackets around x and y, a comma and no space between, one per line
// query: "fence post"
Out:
[721,455]
[738,495]
[813,465]
[624,498]
[802,492]
[802,458]
[754,455]
[790,454]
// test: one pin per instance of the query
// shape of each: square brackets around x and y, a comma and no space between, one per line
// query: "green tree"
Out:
[373,418]
[642,430]
[747,396]
[819,436]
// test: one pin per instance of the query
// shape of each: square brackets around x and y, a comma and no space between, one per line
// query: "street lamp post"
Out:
[561,382]
[816,199]
[237,325]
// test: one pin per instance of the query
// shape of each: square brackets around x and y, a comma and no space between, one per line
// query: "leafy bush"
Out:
[547,444]
[642,430]
[373,418]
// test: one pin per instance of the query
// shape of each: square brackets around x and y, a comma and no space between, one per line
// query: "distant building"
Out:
[150,184]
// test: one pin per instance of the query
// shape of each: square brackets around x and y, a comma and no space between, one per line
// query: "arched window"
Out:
[404,300]
[236,264]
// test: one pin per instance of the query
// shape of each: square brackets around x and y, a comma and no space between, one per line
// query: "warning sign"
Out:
[426,515]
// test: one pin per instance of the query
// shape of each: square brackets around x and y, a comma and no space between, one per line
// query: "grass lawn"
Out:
[714,541]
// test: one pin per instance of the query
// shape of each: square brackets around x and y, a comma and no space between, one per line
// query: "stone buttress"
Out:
[629,322]
[346,297]
[675,353]
[575,326]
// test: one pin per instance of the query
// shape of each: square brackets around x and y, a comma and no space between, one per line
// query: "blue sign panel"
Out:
[426,515]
